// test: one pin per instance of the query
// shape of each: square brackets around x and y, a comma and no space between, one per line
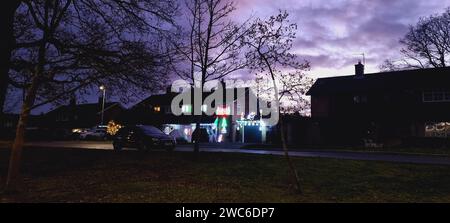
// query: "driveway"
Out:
[235,148]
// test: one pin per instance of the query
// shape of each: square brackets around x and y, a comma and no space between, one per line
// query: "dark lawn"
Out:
[70,175]
[445,151]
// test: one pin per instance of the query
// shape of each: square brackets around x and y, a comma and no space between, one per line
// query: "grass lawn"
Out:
[418,150]
[70,175]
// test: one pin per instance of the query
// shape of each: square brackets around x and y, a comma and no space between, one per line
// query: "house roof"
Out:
[384,81]
[93,108]
[166,99]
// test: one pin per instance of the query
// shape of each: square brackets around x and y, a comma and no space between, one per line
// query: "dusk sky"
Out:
[331,33]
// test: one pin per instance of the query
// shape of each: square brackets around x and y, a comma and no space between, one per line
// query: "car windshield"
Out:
[150,130]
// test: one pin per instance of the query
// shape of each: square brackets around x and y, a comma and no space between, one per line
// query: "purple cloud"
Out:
[333,34]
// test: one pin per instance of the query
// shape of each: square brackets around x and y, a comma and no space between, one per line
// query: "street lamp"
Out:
[102,88]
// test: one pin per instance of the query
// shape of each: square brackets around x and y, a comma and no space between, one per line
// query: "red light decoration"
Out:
[223,111]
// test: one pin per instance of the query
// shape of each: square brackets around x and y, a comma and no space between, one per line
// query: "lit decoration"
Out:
[248,123]
[216,122]
[224,123]
[113,127]
[220,138]
[437,129]
[187,131]
[224,110]
[251,116]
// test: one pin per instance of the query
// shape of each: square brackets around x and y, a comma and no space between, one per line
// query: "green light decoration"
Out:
[224,123]
[216,122]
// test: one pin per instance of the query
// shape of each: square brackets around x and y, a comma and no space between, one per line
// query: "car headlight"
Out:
[77,130]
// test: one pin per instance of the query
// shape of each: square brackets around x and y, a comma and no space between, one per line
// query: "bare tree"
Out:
[7,12]
[269,45]
[427,44]
[144,13]
[292,87]
[67,46]
[210,43]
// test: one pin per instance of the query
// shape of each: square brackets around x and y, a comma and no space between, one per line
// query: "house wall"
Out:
[383,116]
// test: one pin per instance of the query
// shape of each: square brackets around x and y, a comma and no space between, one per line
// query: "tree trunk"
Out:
[16,150]
[7,13]
[288,158]
[12,180]
[283,138]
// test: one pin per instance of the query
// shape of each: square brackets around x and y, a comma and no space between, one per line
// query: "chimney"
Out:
[168,89]
[359,69]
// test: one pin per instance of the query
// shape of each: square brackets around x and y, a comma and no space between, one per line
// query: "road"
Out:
[235,148]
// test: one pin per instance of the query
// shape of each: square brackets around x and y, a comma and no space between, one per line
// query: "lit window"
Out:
[204,108]
[157,108]
[187,109]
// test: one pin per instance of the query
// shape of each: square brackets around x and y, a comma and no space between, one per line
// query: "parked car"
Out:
[96,133]
[143,138]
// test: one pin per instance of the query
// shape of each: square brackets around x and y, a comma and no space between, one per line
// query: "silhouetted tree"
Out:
[292,87]
[7,12]
[144,13]
[210,43]
[66,46]
[427,44]
[269,44]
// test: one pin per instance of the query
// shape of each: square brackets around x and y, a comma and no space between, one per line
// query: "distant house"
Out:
[76,115]
[9,122]
[224,125]
[382,106]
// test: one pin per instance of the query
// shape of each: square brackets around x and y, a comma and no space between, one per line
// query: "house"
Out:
[226,123]
[383,107]
[9,122]
[76,115]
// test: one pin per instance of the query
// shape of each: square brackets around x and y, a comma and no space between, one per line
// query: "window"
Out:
[447,96]
[427,96]
[157,108]
[62,117]
[359,99]
[167,110]
[204,108]
[436,96]
[187,109]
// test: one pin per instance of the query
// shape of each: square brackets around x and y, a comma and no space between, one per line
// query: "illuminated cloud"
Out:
[332,34]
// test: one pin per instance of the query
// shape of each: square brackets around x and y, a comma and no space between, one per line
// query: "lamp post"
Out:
[102,88]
